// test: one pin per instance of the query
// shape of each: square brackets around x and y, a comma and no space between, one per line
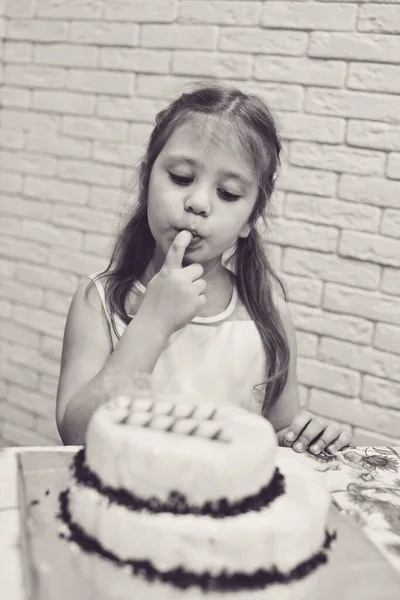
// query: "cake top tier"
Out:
[204,451]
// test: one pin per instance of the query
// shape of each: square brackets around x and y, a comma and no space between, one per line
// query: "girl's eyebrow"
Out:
[191,161]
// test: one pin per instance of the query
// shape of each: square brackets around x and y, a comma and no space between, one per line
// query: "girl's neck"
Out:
[219,290]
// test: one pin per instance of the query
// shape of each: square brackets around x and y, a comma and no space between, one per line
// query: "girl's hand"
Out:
[315,434]
[176,293]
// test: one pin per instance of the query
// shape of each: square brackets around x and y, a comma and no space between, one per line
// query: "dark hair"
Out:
[255,128]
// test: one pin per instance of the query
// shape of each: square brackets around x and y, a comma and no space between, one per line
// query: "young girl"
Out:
[188,295]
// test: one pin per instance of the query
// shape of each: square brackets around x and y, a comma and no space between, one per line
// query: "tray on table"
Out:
[356,568]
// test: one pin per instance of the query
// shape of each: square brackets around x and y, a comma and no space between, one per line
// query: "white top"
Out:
[220,358]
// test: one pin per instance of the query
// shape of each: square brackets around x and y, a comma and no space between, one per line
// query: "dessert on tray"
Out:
[176,499]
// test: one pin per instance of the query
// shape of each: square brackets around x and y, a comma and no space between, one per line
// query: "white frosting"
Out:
[149,461]
[286,532]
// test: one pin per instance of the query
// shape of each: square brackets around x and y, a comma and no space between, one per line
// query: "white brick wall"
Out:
[81,82]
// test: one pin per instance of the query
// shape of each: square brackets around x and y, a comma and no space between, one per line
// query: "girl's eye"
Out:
[180,180]
[228,196]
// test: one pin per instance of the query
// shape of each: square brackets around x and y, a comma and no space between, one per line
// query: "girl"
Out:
[189,294]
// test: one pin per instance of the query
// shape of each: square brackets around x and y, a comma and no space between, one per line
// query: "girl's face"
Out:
[202,183]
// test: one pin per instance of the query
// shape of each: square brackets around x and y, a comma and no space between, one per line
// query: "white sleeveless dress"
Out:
[220,358]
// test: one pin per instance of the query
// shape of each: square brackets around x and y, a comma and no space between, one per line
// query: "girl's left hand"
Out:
[315,434]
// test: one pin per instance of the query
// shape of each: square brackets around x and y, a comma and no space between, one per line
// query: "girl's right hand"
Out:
[176,293]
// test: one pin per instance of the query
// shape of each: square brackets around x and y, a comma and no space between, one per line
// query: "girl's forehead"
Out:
[209,136]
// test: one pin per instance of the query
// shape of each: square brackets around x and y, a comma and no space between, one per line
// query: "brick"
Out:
[22,355]
[103,33]
[61,145]
[363,437]
[35,76]
[12,139]
[47,278]
[355,46]
[391,281]
[369,247]
[18,52]
[387,338]
[242,13]
[89,172]
[19,436]
[342,327]
[39,320]
[97,244]
[47,426]
[357,413]
[381,392]
[30,295]
[306,344]
[32,401]
[328,73]
[20,375]
[176,36]
[295,126]
[302,289]
[68,9]
[15,98]
[5,309]
[67,55]
[10,226]
[48,385]
[23,206]
[15,414]
[390,224]
[301,235]
[359,105]
[371,134]
[83,218]
[374,77]
[393,166]
[129,109]
[37,30]
[51,235]
[370,190]
[28,162]
[369,305]
[52,347]
[10,182]
[263,41]
[21,335]
[56,302]
[306,181]
[52,189]
[103,197]
[135,59]
[327,211]
[93,128]
[7,267]
[328,377]
[16,248]
[207,64]
[103,82]
[337,158]
[117,153]
[360,358]
[64,102]
[20,8]
[31,121]
[379,18]
[79,263]
[309,15]
[162,11]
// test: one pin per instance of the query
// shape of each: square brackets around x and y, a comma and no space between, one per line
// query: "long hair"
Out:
[255,129]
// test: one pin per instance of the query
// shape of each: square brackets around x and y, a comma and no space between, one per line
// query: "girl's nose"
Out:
[198,203]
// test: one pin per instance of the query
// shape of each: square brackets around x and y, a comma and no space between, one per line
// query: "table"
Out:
[364,483]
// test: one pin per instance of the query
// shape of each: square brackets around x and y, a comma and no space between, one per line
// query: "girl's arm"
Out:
[90,371]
